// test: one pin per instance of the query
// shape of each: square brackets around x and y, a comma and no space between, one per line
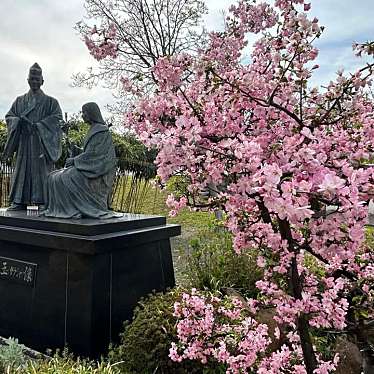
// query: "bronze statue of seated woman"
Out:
[83,187]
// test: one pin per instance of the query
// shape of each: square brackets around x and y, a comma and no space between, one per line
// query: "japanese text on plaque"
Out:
[16,270]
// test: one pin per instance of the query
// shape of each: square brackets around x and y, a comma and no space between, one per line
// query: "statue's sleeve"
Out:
[49,129]
[14,131]
[98,158]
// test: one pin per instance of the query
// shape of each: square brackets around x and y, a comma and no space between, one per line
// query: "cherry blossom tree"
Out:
[284,161]
[127,37]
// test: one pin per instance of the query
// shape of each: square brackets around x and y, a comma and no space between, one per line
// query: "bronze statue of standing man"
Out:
[34,134]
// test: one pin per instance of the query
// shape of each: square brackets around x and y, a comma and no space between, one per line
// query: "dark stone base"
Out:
[74,282]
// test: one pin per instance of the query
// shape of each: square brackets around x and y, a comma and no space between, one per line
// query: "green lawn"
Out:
[151,200]
[370,236]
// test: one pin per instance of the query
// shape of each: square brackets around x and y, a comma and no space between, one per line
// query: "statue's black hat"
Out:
[35,70]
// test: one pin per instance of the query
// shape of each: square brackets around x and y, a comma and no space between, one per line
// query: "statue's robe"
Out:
[37,149]
[83,189]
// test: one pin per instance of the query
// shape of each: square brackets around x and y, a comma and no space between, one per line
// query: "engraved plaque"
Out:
[18,271]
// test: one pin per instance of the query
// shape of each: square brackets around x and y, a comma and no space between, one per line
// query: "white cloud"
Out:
[42,31]
[345,22]
[345,19]
[215,18]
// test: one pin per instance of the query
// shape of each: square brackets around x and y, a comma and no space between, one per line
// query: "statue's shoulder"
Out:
[21,97]
[51,102]
[50,98]
[19,101]
[98,128]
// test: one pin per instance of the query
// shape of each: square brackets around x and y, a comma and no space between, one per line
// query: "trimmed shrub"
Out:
[145,342]
[212,264]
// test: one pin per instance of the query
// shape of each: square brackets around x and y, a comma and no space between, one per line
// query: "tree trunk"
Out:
[302,323]
[295,285]
[368,363]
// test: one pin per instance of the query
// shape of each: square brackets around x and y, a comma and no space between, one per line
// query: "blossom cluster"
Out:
[222,328]
[225,328]
[101,44]
[169,70]
[364,48]
[175,205]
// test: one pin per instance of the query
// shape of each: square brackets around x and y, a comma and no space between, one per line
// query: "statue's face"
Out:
[35,82]
[85,116]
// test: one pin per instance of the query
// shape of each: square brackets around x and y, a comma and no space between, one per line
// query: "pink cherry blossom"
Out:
[331,183]
[283,160]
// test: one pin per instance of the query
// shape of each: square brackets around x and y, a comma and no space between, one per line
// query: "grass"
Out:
[370,236]
[198,220]
[152,201]
[149,199]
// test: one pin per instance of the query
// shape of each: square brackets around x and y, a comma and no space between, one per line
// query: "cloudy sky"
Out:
[42,31]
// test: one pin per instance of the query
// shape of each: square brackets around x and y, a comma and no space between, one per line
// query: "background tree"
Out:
[285,161]
[127,37]
[133,156]
[3,135]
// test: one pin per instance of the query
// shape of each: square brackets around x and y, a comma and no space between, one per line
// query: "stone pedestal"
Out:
[74,282]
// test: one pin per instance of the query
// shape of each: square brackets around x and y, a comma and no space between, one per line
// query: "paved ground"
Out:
[371,213]
[179,248]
